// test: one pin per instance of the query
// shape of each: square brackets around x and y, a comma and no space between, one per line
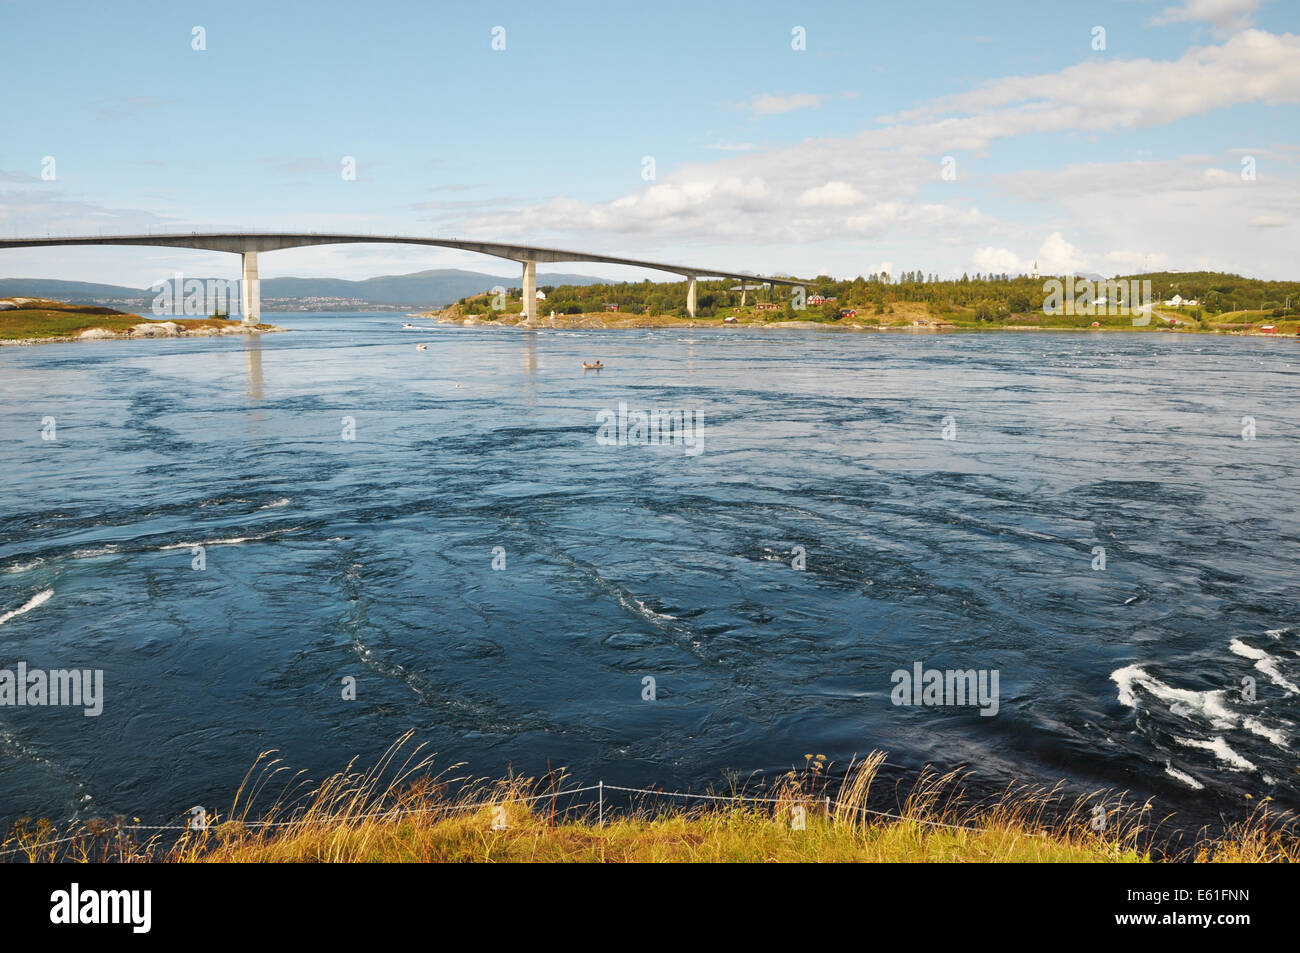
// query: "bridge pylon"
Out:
[530,290]
[250,290]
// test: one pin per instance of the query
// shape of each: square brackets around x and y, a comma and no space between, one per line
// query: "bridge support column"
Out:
[250,290]
[530,289]
[744,287]
[690,295]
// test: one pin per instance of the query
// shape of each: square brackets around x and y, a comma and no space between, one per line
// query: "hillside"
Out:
[422,289]
[1223,303]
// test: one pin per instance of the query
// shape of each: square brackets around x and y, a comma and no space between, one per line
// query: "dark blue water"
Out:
[372,557]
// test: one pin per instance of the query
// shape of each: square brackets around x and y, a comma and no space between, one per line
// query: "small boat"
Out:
[592,367]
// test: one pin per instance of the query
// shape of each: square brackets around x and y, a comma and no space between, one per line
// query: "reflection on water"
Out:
[253,363]
[530,369]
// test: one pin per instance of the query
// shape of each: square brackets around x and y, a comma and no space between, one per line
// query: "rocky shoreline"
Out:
[615,321]
[148,329]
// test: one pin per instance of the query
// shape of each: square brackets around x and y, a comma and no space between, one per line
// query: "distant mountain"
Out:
[423,289]
[73,292]
[433,288]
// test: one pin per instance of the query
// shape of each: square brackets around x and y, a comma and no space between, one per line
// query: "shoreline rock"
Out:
[609,322]
[151,329]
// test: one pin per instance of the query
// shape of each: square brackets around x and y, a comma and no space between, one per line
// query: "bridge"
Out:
[249,245]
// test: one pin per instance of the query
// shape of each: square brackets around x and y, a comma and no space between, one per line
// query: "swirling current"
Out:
[230,529]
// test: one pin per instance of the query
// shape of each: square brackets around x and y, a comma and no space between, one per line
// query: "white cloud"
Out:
[1133,262]
[831,195]
[1228,16]
[877,218]
[1172,214]
[768,104]
[998,261]
[880,184]
[1104,95]
[1055,256]
[880,217]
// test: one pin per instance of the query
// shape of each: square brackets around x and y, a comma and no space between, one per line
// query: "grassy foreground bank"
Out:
[403,814]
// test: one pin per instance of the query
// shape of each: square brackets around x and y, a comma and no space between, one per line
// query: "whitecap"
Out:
[1221,750]
[92,553]
[646,612]
[1264,663]
[24,567]
[230,540]
[1238,647]
[1257,727]
[40,598]
[1181,701]
[1184,777]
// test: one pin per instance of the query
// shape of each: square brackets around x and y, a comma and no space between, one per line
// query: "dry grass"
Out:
[401,811]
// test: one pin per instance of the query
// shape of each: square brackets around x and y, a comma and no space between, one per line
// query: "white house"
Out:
[541,295]
[1178,301]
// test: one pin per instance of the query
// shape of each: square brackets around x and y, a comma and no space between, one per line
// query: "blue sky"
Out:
[766,158]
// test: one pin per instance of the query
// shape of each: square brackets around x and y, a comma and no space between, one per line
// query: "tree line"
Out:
[978,297]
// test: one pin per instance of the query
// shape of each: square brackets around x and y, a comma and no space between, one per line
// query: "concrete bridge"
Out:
[250,244]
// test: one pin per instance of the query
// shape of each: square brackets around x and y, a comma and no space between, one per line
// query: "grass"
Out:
[47,319]
[403,812]
[40,318]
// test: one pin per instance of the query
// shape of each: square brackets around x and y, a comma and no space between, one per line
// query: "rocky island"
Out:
[25,321]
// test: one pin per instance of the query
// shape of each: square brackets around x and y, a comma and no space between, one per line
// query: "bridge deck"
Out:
[244,243]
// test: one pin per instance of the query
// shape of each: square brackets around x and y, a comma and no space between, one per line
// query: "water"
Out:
[372,558]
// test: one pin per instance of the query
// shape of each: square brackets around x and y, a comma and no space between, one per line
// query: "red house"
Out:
[816,299]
